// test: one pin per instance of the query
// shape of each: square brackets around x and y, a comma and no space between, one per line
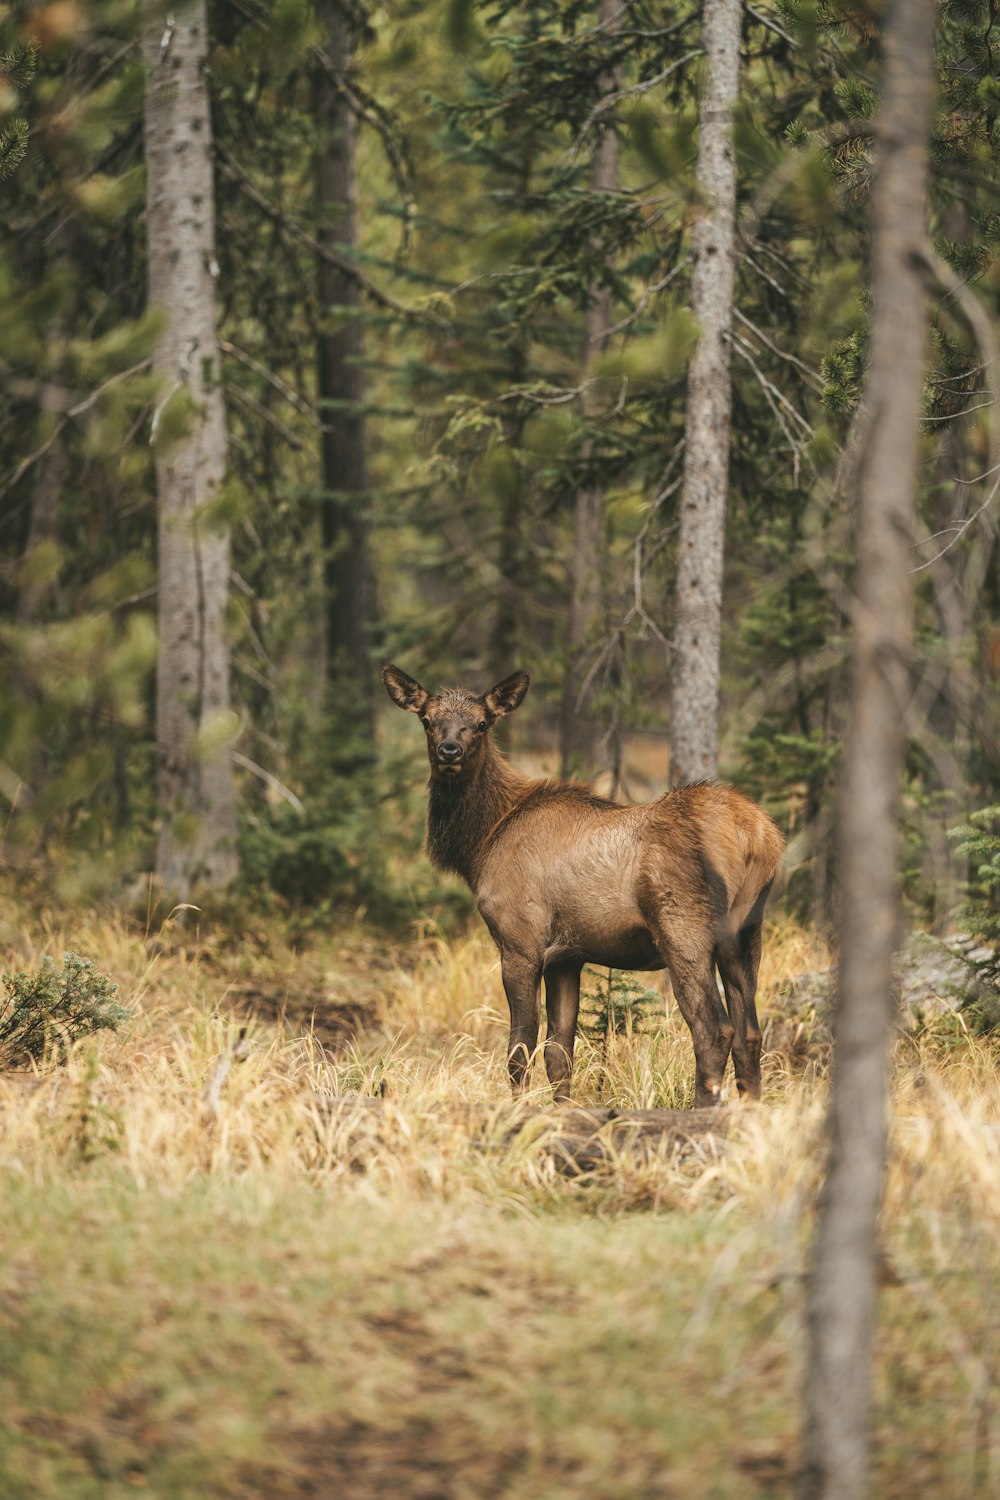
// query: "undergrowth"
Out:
[271,1295]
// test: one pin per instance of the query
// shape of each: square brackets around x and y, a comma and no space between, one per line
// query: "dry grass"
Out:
[258,1300]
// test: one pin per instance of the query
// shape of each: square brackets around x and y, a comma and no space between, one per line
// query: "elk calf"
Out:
[563,878]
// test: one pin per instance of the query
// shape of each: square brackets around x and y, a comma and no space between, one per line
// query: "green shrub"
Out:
[617,1006]
[979,841]
[49,1010]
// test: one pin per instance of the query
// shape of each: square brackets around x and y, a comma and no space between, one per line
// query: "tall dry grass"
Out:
[448,1235]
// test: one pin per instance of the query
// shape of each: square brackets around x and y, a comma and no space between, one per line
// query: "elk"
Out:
[563,877]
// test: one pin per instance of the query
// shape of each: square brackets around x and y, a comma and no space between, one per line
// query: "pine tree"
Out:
[17,68]
[197,839]
[694,690]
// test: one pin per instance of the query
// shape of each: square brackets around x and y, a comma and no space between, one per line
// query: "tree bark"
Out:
[694,709]
[578,732]
[349,587]
[43,525]
[842,1289]
[194,724]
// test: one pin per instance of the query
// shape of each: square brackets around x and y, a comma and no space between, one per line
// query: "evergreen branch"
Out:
[784,174]
[13,147]
[610,27]
[20,62]
[633,91]
[297,231]
[366,107]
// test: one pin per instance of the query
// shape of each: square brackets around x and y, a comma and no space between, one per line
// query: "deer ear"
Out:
[507,695]
[403,690]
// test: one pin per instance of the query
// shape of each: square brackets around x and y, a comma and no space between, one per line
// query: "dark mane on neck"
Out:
[462,814]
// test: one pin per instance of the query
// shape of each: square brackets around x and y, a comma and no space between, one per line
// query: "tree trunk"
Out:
[47,485]
[194,724]
[948,715]
[347,568]
[578,732]
[694,709]
[842,1289]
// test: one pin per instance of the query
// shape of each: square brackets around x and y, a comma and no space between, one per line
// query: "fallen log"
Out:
[576,1140]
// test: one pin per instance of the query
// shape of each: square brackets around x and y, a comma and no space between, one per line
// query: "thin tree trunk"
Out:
[842,1289]
[694,707]
[43,524]
[948,714]
[578,734]
[197,799]
[348,576]
[504,645]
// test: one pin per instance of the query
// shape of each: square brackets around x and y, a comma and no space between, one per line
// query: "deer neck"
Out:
[463,813]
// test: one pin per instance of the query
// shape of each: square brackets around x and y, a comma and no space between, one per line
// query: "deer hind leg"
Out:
[692,974]
[521,978]
[562,1005]
[739,960]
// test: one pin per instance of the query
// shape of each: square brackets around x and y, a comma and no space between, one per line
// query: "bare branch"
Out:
[266,415]
[292,396]
[792,359]
[985,336]
[647,295]
[764,275]
[21,468]
[966,411]
[771,25]
[269,780]
[958,529]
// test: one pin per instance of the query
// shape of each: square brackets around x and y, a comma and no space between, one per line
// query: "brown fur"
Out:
[563,877]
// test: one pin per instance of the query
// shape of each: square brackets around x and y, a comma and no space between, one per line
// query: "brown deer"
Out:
[563,877]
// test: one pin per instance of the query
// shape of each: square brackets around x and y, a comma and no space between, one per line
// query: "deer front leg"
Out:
[562,1003]
[521,978]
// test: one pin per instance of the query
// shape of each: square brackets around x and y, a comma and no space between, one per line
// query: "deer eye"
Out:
[481,726]
[425,721]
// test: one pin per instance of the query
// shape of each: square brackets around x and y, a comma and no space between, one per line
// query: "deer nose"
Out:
[450,751]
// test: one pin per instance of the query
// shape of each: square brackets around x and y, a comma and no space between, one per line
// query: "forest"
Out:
[693,421]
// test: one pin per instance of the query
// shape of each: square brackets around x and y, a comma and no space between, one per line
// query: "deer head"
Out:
[456,722]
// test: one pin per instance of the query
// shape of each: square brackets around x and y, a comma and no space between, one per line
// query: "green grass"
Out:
[231,1340]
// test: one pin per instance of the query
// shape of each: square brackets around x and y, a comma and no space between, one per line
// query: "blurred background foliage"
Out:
[481,245]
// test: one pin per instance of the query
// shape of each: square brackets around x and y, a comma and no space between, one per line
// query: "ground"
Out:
[258,1300]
